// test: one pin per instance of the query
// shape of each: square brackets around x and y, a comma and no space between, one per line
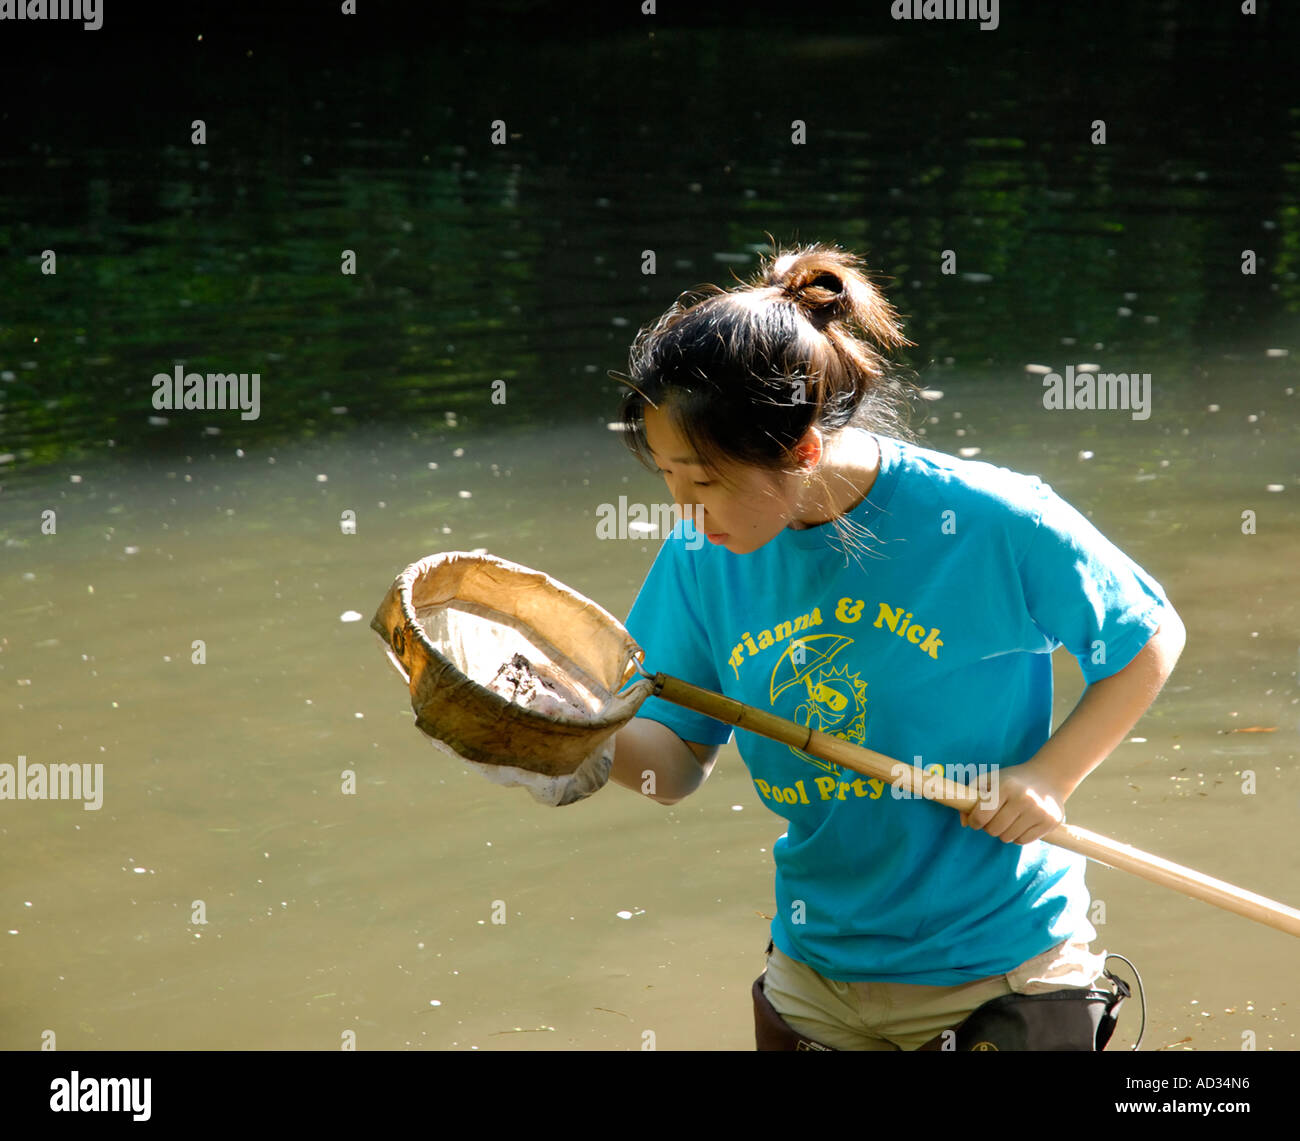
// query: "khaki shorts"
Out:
[905,1016]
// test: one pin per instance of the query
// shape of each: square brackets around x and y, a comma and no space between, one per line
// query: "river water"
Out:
[379,913]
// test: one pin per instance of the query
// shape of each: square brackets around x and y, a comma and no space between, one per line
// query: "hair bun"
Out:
[830,287]
[828,281]
[817,288]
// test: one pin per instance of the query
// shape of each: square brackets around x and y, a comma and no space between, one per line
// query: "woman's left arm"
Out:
[1031,796]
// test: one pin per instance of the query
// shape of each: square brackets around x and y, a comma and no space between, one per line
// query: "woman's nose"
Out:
[682,499]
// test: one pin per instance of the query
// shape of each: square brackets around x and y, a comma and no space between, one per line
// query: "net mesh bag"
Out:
[511,671]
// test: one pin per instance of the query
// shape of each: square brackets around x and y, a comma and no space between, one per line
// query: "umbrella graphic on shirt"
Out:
[802,657]
[804,663]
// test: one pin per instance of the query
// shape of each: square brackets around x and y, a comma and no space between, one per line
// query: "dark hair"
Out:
[728,368]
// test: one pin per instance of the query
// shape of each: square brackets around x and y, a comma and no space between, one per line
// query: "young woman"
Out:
[901,599]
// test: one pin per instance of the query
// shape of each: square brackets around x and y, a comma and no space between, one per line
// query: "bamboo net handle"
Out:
[1096,847]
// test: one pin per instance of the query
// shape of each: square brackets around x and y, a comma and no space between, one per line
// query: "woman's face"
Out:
[742,512]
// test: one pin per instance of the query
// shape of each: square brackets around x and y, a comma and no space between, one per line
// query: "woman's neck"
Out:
[843,479]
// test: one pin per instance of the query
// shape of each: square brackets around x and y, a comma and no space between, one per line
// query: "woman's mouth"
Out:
[715,537]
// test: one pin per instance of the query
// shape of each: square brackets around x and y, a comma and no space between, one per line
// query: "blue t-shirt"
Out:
[937,645]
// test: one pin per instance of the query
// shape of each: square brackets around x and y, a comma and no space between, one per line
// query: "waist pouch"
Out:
[1069,1019]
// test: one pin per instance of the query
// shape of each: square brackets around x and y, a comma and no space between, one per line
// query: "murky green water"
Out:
[372,913]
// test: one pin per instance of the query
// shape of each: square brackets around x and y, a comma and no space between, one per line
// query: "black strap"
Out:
[1122,991]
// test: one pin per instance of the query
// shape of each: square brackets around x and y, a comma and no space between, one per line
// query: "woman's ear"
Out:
[808,451]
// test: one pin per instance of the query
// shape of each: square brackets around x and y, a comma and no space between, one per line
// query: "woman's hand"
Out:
[555,792]
[1018,805]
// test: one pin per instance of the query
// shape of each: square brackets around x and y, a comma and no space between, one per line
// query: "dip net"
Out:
[507,667]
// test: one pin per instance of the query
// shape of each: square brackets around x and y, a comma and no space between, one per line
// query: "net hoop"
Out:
[449,619]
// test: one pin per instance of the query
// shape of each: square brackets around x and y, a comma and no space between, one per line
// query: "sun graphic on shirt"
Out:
[834,700]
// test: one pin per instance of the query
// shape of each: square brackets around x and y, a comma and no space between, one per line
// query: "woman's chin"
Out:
[738,546]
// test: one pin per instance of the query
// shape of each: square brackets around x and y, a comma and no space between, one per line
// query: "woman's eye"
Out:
[698,482]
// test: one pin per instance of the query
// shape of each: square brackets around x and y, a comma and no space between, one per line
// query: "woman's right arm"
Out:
[651,759]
